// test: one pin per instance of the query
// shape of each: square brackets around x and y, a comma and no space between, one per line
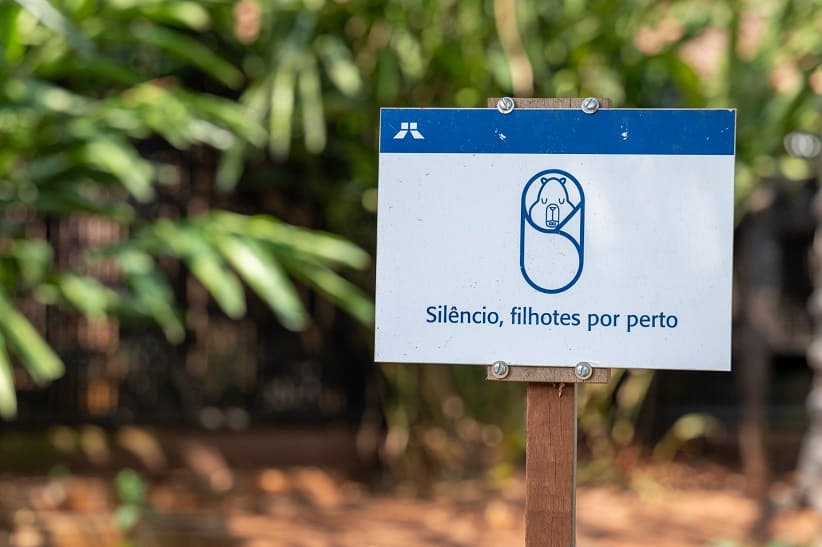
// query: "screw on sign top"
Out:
[590,105]
[505,105]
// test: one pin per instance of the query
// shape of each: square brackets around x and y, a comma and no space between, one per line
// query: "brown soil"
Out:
[669,506]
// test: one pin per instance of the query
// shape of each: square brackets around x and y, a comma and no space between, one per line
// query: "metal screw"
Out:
[590,105]
[584,370]
[500,369]
[505,105]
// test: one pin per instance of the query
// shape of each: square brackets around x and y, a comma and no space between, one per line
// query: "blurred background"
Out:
[187,229]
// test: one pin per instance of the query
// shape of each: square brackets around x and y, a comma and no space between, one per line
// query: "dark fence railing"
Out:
[226,374]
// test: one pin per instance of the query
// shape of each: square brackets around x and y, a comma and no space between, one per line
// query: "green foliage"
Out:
[83,87]
[762,59]
[83,84]
[608,417]
[133,502]
[8,401]
[30,348]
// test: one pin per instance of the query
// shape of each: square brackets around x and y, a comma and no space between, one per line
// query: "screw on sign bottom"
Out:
[584,370]
[500,369]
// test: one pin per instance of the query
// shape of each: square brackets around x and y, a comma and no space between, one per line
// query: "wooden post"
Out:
[550,450]
[550,464]
[551,425]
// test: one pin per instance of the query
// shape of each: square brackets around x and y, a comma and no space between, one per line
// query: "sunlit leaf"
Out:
[10,43]
[205,263]
[35,354]
[338,289]
[86,294]
[239,118]
[53,19]
[120,160]
[281,112]
[189,14]
[130,487]
[339,64]
[311,100]
[260,270]
[8,398]
[44,95]
[160,110]
[127,516]
[321,245]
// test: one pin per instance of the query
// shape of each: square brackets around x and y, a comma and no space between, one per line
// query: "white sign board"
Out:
[551,236]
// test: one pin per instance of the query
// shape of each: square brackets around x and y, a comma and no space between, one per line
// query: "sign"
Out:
[552,236]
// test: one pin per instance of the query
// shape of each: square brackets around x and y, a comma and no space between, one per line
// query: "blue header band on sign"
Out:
[557,131]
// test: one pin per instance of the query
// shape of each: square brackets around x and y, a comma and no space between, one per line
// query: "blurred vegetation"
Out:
[86,88]
[287,93]
[133,502]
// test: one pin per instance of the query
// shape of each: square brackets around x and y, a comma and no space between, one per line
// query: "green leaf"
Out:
[34,258]
[127,517]
[93,66]
[312,107]
[10,42]
[184,118]
[8,398]
[45,96]
[86,294]
[36,355]
[338,289]
[281,111]
[189,50]
[153,293]
[47,14]
[130,487]
[239,118]
[232,161]
[339,64]
[66,198]
[170,115]
[119,159]
[230,166]
[187,14]
[260,270]
[204,262]
[314,243]
[47,167]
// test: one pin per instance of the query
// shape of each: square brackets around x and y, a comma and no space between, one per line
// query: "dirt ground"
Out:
[671,506]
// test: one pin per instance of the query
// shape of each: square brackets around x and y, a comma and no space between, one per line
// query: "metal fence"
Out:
[226,374]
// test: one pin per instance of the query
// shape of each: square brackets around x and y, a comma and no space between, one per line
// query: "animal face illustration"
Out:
[552,205]
[552,231]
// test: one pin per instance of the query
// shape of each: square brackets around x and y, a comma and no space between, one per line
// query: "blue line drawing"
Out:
[552,231]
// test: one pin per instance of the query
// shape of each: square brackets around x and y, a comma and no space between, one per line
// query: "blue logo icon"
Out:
[552,232]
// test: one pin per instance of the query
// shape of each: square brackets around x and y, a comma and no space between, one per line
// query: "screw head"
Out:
[505,105]
[590,105]
[500,369]
[584,370]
